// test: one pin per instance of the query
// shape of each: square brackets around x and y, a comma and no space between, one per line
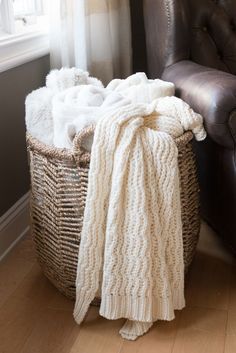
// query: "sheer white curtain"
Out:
[92,34]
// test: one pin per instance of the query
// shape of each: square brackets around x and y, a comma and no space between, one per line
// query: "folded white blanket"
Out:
[139,89]
[78,107]
[38,115]
[72,100]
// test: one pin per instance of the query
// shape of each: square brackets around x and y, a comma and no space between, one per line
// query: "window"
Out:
[23,31]
[20,16]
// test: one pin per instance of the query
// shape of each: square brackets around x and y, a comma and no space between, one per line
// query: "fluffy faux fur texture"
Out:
[72,100]
[38,104]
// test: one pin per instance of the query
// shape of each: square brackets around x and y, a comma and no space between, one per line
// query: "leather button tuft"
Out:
[232,26]
[204,29]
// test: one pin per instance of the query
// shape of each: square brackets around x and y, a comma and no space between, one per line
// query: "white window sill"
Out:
[21,48]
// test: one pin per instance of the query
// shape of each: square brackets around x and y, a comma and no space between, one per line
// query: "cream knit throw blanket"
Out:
[131,243]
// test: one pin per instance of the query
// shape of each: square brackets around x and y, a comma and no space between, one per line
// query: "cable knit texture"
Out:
[131,242]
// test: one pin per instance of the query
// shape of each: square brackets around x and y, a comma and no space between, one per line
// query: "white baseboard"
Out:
[14,224]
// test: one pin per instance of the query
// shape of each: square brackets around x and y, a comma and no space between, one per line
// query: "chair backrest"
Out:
[203,31]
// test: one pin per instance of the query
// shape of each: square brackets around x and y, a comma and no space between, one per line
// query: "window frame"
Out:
[19,48]
[7,16]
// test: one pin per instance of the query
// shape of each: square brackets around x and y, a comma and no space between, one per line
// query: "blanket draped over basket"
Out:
[131,243]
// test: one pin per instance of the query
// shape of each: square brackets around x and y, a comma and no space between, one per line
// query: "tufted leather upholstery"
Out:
[167,34]
[193,44]
[213,41]
[203,31]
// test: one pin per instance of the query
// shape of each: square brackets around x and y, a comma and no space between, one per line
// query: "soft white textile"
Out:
[78,107]
[38,115]
[73,100]
[59,80]
[139,89]
[38,104]
[131,241]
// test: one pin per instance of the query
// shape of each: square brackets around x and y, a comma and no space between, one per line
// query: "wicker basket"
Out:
[59,180]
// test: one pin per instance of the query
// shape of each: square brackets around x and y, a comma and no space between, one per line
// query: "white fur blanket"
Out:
[139,89]
[72,100]
[38,104]
[38,115]
[79,107]
[59,80]
[131,239]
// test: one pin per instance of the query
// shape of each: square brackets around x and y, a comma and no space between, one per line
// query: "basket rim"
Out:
[36,145]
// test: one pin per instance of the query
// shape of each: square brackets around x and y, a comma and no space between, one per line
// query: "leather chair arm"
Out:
[210,92]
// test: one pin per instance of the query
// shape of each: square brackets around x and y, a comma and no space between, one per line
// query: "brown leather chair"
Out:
[193,44]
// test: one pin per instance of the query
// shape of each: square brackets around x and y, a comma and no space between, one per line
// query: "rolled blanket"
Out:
[59,80]
[72,100]
[78,107]
[131,241]
[38,104]
[38,115]
[139,89]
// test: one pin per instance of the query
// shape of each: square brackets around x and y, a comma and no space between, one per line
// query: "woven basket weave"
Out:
[59,179]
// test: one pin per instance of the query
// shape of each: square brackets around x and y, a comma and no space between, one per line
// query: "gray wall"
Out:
[15,84]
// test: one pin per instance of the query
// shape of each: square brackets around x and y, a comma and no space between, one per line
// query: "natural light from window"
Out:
[22,16]
[24,34]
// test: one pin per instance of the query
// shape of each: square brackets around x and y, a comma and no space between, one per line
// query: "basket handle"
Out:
[80,155]
[182,140]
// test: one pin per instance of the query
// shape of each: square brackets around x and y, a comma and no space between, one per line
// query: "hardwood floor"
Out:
[36,318]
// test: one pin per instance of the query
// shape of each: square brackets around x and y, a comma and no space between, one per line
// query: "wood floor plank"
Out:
[232,293]
[160,338]
[25,249]
[230,343]
[11,275]
[208,282]
[17,321]
[201,330]
[37,287]
[98,335]
[231,323]
[36,318]
[54,331]
[15,267]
